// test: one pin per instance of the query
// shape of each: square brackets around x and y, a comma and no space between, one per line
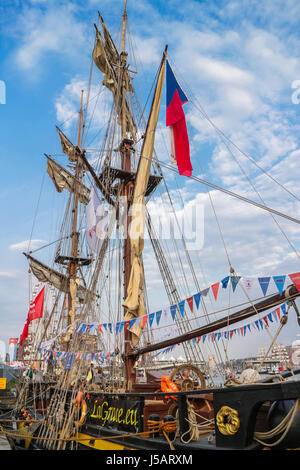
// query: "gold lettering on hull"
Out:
[113,414]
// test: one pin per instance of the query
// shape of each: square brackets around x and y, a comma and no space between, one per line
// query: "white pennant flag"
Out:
[97,221]
[248,283]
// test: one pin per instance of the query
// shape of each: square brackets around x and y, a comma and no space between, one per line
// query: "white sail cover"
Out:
[134,302]
[97,221]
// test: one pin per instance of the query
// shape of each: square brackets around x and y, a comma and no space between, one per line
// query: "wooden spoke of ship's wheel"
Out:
[188,377]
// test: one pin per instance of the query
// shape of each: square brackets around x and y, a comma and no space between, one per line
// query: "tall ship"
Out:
[92,379]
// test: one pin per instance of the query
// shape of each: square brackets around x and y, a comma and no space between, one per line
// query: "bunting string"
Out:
[192,303]
[257,325]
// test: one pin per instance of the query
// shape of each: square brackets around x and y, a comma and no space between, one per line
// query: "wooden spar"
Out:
[99,184]
[290,293]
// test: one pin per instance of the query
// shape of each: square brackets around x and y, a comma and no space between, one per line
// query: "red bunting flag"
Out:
[295,278]
[215,289]
[190,302]
[266,320]
[278,312]
[145,318]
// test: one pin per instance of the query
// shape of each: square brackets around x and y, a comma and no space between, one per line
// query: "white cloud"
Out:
[26,245]
[8,274]
[45,31]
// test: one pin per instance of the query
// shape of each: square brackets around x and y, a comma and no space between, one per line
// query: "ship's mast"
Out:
[73,266]
[127,194]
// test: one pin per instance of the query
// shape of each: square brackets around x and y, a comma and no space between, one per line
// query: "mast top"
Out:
[124,27]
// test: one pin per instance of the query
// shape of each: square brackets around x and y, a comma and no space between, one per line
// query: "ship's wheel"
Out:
[188,377]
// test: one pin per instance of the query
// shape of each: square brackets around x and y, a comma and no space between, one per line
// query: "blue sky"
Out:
[237,59]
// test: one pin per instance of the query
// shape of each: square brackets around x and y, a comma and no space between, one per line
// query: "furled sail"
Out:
[134,302]
[68,148]
[109,45]
[63,179]
[105,56]
[46,274]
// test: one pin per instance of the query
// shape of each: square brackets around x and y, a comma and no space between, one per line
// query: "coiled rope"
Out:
[282,427]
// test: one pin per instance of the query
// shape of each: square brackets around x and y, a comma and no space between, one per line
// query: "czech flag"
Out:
[175,119]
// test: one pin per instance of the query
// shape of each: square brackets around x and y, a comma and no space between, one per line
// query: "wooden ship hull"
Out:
[153,421]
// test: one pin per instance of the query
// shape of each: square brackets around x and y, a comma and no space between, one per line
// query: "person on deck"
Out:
[99,378]
[90,378]
[249,374]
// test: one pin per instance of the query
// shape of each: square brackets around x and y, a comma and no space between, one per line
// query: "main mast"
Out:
[127,194]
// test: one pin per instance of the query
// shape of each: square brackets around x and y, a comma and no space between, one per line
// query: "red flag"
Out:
[35,311]
[175,119]
[37,306]
[25,330]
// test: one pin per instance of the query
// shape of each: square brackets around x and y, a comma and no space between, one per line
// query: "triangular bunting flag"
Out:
[181,307]
[158,315]
[166,312]
[204,292]
[248,283]
[279,281]
[264,284]
[197,299]
[295,278]
[190,302]
[131,323]
[283,308]
[225,282]
[215,289]
[151,318]
[173,311]
[145,318]
[278,312]
[270,317]
[235,281]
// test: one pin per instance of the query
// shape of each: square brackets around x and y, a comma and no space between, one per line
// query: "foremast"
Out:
[73,266]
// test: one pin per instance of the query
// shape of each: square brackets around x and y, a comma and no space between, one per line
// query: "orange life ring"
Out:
[83,414]
[168,386]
